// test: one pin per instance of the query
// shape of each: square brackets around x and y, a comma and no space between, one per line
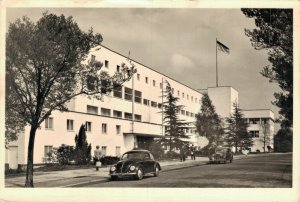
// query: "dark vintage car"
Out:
[136,163]
[221,155]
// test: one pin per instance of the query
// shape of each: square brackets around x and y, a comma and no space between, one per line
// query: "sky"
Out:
[181,43]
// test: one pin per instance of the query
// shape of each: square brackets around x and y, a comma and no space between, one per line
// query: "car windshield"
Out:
[133,155]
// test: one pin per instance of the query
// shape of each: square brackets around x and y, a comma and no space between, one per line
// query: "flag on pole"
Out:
[222,47]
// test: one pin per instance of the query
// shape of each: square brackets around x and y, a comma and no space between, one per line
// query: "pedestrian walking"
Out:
[193,155]
[97,157]
[182,153]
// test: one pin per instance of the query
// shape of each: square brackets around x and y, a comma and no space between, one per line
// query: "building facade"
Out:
[261,128]
[128,117]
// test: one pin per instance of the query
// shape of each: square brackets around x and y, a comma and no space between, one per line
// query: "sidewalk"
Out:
[68,178]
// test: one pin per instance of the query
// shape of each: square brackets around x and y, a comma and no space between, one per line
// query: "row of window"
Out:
[138,77]
[257,120]
[49,148]
[88,126]
[116,113]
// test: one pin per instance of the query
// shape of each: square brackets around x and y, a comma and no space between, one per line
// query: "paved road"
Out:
[261,171]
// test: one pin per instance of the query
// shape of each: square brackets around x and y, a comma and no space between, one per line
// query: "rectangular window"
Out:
[106,63]
[91,109]
[254,133]
[103,150]
[118,92]
[104,128]
[172,90]
[146,102]
[118,151]
[187,96]
[187,113]
[182,95]
[160,85]
[192,98]
[91,82]
[182,112]
[117,114]
[118,68]
[153,83]
[196,100]
[138,76]
[264,120]
[88,126]
[137,117]
[137,96]
[192,114]
[47,150]
[128,94]
[105,112]
[153,104]
[178,93]
[118,129]
[49,123]
[70,124]
[128,115]
[146,79]
[159,106]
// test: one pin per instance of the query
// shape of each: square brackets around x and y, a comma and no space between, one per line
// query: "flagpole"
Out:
[216,62]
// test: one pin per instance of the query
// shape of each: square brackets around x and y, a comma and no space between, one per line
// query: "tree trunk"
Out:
[170,143]
[236,146]
[29,172]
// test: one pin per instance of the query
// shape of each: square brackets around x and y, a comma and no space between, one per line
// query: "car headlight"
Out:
[132,168]
[113,168]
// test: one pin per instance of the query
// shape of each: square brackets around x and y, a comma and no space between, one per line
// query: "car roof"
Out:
[138,150]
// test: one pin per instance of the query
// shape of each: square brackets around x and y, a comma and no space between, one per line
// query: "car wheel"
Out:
[156,174]
[113,178]
[231,160]
[139,174]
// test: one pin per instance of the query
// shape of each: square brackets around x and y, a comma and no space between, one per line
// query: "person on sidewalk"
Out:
[193,155]
[97,157]
[182,153]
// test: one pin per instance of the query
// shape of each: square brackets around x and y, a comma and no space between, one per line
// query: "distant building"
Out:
[261,128]
[129,117]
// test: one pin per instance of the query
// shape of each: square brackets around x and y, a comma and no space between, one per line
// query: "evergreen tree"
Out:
[236,130]
[175,128]
[82,148]
[209,124]
[274,33]
[283,140]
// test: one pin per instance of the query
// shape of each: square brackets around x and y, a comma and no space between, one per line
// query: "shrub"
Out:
[82,148]
[257,151]
[65,154]
[172,155]
[157,150]
[51,157]
[109,160]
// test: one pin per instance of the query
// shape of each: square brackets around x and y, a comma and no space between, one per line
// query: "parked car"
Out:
[222,154]
[135,163]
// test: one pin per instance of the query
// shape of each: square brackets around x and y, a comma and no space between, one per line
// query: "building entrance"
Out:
[144,142]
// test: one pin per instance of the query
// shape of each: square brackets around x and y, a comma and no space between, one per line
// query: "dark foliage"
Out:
[283,140]
[109,160]
[65,154]
[175,128]
[274,33]
[209,124]
[82,149]
[237,134]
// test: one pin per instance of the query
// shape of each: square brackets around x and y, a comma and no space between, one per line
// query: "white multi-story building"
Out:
[128,117]
[261,128]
